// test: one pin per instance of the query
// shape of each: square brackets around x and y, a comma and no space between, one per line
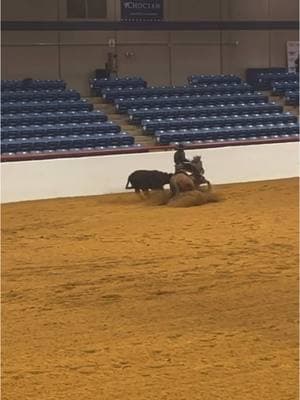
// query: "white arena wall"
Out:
[85,176]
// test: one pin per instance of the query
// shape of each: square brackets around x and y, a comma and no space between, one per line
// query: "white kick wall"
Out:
[32,180]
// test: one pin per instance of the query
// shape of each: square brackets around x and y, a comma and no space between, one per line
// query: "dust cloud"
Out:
[186,199]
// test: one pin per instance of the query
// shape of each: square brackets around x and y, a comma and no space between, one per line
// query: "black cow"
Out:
[145,180]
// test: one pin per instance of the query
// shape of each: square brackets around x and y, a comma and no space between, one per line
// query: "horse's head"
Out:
[196,159]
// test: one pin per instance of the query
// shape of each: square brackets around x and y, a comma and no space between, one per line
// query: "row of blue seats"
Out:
[279,88]
[17,84]
[187,123]
[234,132]
[112,94]
[292,98]
[99,84]
[264,81]
[37,95]
[60,129]
[53,118]
[65,142]
[6,156]
[209,79]
[122,105]
[46,106]
[253,74]
[136,116]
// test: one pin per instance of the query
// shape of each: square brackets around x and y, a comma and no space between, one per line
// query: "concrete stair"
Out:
[281,101]
[122,120]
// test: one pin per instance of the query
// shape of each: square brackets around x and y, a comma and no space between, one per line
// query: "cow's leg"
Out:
[139,193]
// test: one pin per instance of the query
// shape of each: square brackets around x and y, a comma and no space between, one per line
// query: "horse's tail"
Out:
[127,184]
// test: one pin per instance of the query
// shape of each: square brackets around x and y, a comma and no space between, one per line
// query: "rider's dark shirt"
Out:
[179,157]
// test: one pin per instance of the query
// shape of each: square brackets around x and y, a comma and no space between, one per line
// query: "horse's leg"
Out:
[173,188]
[203,180]
[208,184]
[176,188]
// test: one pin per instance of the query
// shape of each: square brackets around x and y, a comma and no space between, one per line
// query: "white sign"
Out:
[112,43]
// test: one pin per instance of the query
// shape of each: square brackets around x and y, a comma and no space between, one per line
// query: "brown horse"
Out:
[182,182]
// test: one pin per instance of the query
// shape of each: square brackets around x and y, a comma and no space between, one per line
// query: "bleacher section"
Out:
[265,80]
[280,88]
[292,98]
[211,108]
[282,83]
[45,117]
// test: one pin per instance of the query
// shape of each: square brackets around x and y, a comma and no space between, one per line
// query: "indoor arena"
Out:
[150,200]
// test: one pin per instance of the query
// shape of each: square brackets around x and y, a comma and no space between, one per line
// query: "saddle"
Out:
[182,171]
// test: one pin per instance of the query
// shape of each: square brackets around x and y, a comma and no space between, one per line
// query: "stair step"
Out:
[280,100]
[121,120]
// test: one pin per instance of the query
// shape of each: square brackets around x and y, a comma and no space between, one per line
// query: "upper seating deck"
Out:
[217,103]
[45,117]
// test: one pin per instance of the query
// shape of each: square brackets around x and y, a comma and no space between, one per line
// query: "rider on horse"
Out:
[182,164]
[180,160]
[192,169]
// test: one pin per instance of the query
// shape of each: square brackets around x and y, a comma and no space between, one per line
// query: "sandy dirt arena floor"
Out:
[110,298]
